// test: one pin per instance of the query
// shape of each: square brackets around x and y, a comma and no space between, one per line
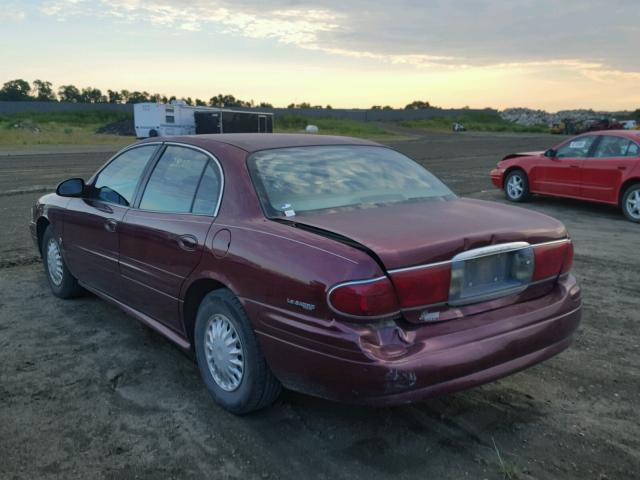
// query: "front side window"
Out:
[576,148]
[611,146]
[117,182]
[174,181]
[304,179]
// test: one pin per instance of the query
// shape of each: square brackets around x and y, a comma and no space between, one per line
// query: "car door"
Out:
[163,238]
[560,174]
[603,170]
[90,231]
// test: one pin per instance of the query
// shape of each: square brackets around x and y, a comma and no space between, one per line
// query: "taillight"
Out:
[422,286]
[366,299]
[552,259]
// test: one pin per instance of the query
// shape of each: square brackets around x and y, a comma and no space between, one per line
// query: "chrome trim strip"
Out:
[459,256]
[359,317]
[490,250]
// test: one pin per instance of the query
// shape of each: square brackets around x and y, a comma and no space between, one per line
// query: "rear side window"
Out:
[209,191]
[174,181]
[117,182]
[577,148]
[633,150]
[611,146]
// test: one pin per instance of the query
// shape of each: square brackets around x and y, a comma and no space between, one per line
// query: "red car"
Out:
[329,265]
[598,166]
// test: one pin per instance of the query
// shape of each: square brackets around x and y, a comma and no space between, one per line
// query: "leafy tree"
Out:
[15,90]
[417,105]
[113,96]
[44,91]
[200,103]
[91,95]
[138,97]
[265,105]
[156,98]
[228,101]
[636,115]
[69,93]
[328,107]
[188,101]
[125,94]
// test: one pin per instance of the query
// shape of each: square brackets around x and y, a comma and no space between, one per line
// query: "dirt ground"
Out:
[87,392]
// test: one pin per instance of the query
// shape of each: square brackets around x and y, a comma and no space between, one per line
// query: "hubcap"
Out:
[633,204]
[224,353]
[54,262]
[515,186]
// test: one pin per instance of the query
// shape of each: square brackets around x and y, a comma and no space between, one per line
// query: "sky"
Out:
[547,54]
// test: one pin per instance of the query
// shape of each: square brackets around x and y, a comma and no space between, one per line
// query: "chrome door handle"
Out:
[188,243]
[110,225]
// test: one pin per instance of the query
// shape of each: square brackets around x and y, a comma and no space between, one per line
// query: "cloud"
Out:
[578,36]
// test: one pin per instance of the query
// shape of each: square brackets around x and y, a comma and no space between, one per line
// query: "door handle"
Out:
[110,225]
[188,243]
[574,166]
[621,167]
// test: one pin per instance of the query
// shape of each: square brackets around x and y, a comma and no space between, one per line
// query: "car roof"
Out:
[632,134]
[253,142]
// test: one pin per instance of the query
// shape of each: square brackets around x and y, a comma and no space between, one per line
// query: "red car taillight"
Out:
[422,286]
[552,259]
[369,298]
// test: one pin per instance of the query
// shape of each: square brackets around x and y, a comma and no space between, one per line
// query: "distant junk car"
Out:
[601,167]
[178,118]
[329,265]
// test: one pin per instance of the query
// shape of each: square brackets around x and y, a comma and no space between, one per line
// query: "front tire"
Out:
[516,186]
[62,283]
[229,357]
[631,203]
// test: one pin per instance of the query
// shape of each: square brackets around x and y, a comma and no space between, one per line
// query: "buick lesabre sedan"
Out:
[328,265]
[601,167]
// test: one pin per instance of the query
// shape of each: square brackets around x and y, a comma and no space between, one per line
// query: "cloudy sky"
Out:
[548,54]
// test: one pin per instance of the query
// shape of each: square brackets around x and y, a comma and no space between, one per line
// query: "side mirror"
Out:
[551,153]
[74,187]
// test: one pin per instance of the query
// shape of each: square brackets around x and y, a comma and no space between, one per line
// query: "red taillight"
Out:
[551,259]
[369,298]
[422,286]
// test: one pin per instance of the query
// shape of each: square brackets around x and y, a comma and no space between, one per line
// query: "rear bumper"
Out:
[497,175]
[396,365]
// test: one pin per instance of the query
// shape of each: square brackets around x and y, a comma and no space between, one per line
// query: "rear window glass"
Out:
[290,181]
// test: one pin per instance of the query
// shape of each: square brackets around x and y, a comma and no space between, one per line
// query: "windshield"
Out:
[295,180]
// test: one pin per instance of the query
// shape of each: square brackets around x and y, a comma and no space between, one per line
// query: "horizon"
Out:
[537,55]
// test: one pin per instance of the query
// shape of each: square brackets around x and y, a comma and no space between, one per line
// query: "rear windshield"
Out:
[290,181]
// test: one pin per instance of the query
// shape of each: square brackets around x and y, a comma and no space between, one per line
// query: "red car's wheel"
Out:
[516,186]
[631,203]
[229,358]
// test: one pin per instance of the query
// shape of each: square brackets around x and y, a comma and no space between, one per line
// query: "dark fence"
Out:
[352,114]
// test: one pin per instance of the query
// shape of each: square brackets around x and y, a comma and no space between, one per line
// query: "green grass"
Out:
[333,126]
[60,128]
[488,121]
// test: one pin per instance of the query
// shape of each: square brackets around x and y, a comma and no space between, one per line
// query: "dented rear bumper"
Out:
[404,363]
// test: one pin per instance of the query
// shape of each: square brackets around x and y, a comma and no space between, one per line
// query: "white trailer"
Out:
[178,118]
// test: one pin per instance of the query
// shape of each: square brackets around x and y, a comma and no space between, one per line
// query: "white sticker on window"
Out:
[578,144]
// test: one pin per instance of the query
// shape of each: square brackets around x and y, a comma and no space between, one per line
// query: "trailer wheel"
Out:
[153,132]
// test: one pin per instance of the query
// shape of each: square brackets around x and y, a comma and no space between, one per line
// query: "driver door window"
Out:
[117,182]
[577,148]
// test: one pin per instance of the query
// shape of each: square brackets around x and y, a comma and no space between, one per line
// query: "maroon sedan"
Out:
[601,167]
[332,266]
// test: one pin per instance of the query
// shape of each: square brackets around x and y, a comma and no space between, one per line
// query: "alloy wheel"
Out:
[224,353]
[515,186]
[633,204]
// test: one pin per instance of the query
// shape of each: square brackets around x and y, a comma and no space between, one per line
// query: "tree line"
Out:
[43,91]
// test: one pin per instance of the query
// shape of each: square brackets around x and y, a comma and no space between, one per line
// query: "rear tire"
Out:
[153,133]
[631,203]
[516,186]
[229,357]
[62,283]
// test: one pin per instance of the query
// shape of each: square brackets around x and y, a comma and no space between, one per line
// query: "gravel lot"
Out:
[87,392]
